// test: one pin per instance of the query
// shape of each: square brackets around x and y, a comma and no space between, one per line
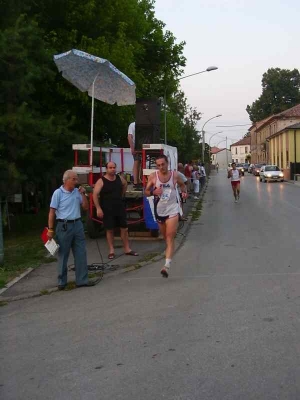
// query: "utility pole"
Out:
[203,145]
[226,153]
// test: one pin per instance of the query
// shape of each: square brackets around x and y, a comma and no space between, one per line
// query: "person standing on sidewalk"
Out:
[196,183]
[111,189]
[234,174]
[203,175]
[188,174]
[162,185]
[65,210]
[180,172]
[137,157]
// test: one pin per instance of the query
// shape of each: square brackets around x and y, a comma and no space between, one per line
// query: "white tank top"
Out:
[167,203]
[235,175]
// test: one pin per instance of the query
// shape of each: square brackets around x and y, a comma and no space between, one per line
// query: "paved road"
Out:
[224,326]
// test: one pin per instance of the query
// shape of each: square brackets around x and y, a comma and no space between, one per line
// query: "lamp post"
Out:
[209,152]
[203,134]
[208,69]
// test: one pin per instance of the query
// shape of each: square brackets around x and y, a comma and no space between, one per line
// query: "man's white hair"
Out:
[67,174]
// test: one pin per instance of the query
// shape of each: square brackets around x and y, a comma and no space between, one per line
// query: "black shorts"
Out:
[112,221]
[162,220]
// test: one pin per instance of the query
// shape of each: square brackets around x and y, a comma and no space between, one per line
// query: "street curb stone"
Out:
[15,280]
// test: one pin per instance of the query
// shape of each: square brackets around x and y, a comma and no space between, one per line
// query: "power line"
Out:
[230,126]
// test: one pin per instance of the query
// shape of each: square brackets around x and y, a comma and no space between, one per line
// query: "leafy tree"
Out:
[30,135]
[42,114]
[280,91]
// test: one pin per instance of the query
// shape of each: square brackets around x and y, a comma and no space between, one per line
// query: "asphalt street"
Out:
[224,326]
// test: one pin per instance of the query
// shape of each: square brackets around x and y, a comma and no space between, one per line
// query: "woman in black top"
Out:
[110,190]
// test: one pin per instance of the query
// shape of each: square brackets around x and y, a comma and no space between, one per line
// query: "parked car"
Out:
[270,173]
[256,169]
[241,168]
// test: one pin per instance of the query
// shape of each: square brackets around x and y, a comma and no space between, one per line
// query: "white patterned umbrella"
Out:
[97,76]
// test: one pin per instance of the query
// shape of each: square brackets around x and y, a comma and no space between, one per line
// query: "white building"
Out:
[240,150]
[221,157]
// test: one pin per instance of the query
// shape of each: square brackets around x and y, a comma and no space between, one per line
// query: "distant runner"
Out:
[235,174]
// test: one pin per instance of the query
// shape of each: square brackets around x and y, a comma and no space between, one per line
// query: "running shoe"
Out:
[235,201]
[165,272]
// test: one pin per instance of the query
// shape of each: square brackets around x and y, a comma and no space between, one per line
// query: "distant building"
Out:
[240,150]
[261,131]
[220,156]
[284,150]
[213,151]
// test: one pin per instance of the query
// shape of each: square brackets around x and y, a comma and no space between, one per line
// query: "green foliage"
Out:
[280,91]
[182,128]
[31,124]
[42,114]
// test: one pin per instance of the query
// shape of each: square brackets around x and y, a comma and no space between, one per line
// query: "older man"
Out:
[65,211]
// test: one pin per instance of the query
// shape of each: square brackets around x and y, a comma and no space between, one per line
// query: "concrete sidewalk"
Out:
[43,280]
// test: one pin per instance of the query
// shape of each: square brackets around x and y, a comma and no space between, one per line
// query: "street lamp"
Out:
[209,144]
[208,69]
[203,134]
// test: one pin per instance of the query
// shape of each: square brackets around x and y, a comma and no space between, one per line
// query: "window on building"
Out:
[236,150]
[246,150]
[236,160]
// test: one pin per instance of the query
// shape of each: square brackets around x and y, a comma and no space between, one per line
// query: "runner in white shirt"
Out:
[162,185]
[235,174]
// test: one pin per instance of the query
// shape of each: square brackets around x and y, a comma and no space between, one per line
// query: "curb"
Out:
[111,274]
[15,280]
[293,183]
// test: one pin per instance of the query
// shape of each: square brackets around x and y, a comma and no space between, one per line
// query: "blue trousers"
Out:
[71,236]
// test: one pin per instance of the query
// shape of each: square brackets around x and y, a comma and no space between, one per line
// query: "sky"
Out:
[243,39]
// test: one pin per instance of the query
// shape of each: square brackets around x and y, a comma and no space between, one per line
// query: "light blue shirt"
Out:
[183,177]
[67,204]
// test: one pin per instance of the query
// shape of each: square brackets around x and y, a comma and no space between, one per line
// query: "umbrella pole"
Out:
[92,123]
